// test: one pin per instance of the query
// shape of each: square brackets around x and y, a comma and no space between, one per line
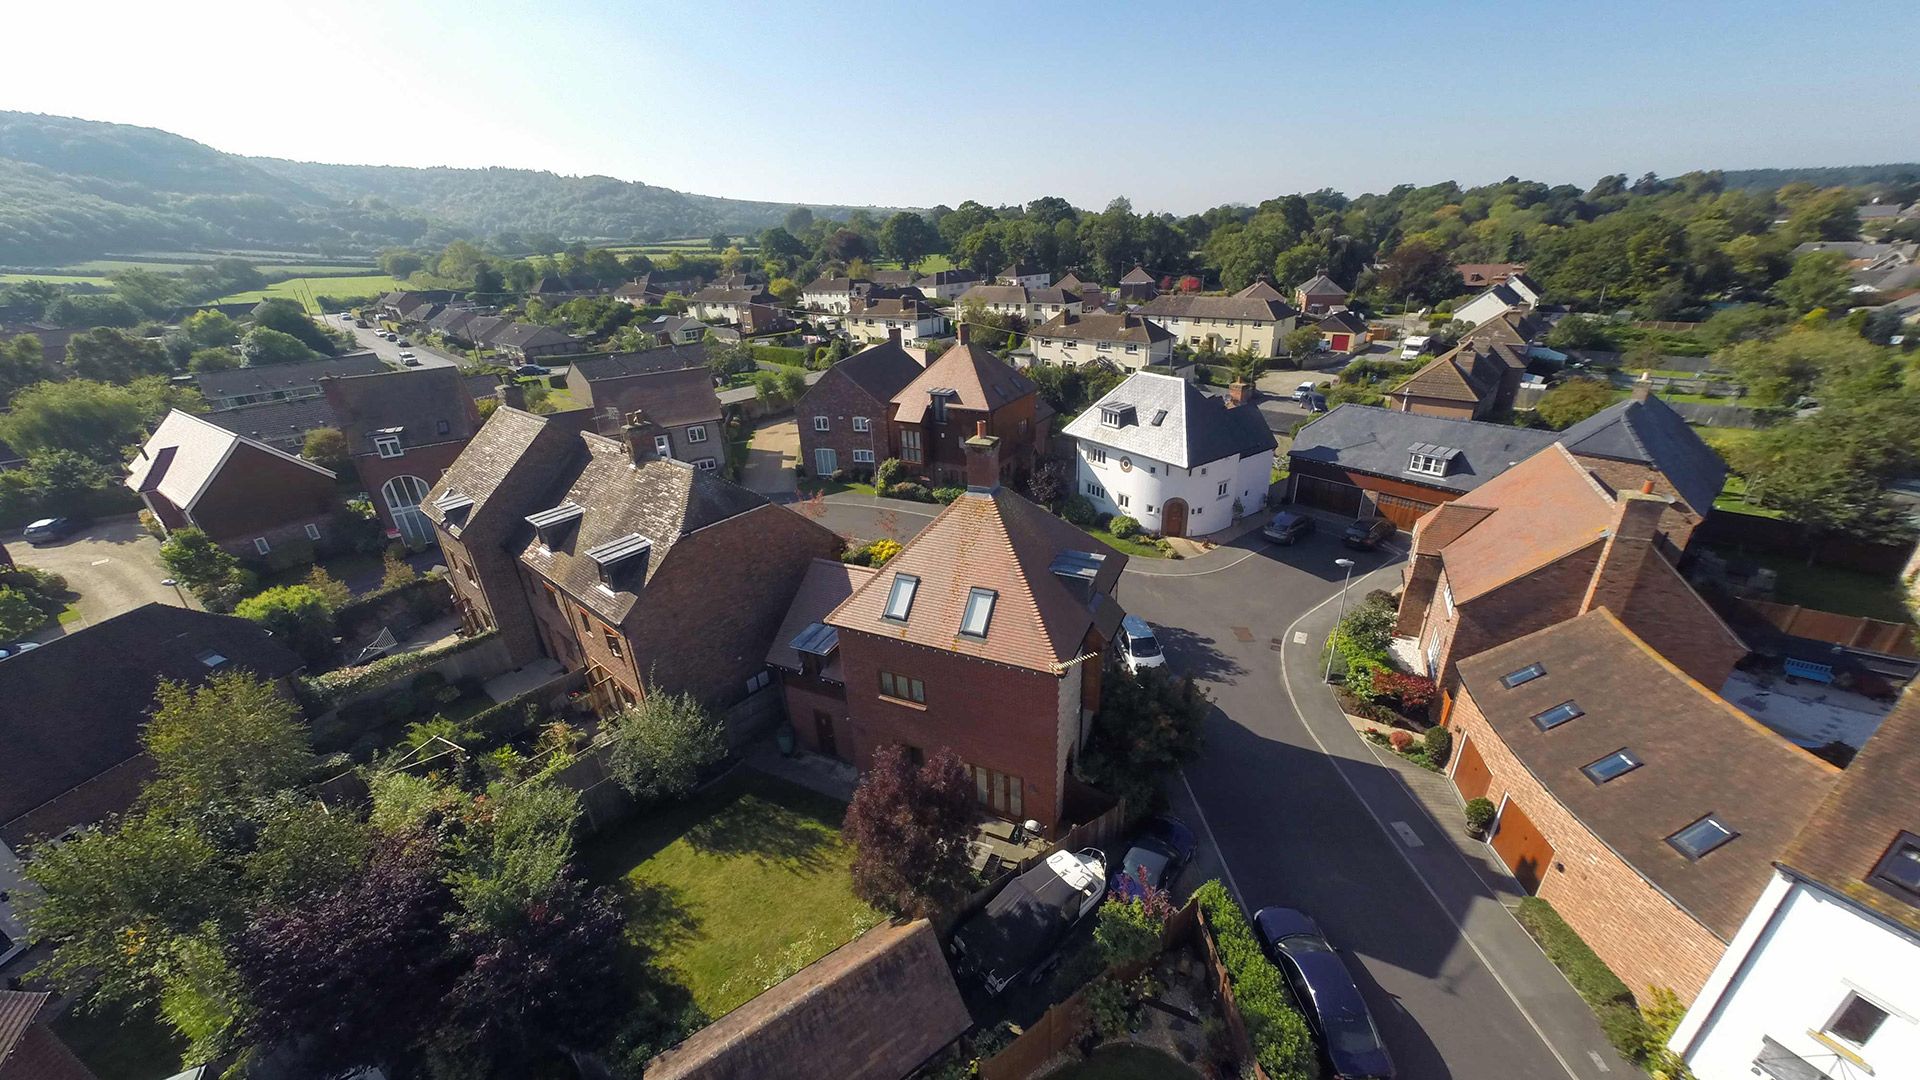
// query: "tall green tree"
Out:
[907,237]
[231,740]
[113,356]
[1818,280]
[89,418]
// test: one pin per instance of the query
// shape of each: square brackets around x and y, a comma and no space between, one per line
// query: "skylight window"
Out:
[1526,674]
[211,659]
[1619,763]
[900,597]
[1557,715]
[1899,871]
[1159,415]
[1702,836]
[979,612]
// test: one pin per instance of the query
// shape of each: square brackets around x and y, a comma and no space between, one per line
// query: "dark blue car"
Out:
[1162,849]
[1327,996]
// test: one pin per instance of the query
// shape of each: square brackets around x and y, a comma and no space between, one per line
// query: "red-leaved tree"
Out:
[910,828]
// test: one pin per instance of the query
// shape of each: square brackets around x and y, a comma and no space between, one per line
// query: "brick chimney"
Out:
[1624,560]
[893,334]
[1239,392]
[512,395]
[960,332]
[639,432]
[1643,387]
[983,459]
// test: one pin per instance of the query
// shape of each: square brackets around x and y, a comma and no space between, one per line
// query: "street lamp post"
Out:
[1327,676]
[176,590]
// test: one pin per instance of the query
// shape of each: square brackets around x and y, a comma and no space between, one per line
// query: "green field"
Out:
[304,289]
[54,279]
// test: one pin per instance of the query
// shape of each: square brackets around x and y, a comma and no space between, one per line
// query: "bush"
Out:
[914,492]
[1439,746]
[1124,527]
[296,614]
[1281,1042]
[1400,740]
[947,494]
[887,473]
[872,553]
[328,690]
[1078,510]
[1479,814]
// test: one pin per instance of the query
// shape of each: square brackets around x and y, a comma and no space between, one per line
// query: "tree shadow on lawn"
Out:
[768,831]
[658,918]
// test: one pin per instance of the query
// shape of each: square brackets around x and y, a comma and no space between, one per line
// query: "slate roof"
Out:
[1102,327]
[452,320]
[661,500]
[829,283]
[529,335]
[980,380]
[1876,799]
[1542,510]
[896,278]
[1020,270]
[1467,374]
[1195,430]
[513,445]
[881,370]
[270,378]
[484,329]
[184,455]
[1701,755]
[827,585]
[277,421]
[652,361]
[873,1009]
[1216,307]
[1650,433]
[1019,294]
[1139,276]
[993,540]
[1376,441]
[673,398]
[415,401]
[1074,283]
[908,308]
[1321,285]
[75,706]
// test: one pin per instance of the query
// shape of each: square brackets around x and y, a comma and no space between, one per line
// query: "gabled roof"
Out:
[881,370]
[650,362]
[272,378]
[827,585]
[671,398]
[978,380]
[1102,327]
[1139,276]
[513,445]
[1019,294]
[30,1050]
[1184,306]
[484,329]
[1876,799]
[895,278]
[1650,433]
[1348,321]
[989,540]
[1511,327]
[415,401]
[1074,283]
[526,335]
[184,455]
[957,276]
[1174,422]
[1543,509]
[1700,755]
[75,706]
[1376,441]
[829,283]
[1447,378]
[898,308]
[277,421]
[1020,270]
[715,294]
[1321,285]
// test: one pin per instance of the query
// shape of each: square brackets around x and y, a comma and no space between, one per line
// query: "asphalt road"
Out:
[390,351]
[1282,800]
[113,564]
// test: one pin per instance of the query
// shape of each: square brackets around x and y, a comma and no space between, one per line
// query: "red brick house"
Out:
[1469,382]
[634,569]
[971,638]
[843,418]
[246,496]
[1540,544]
[934,415]
[671,388]
[1318,295]
[404,429]
[1644,807]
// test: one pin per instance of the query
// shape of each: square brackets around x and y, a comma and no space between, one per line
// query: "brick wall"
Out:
[807,694]
[1420,581]
[257,492]
[425,462]
[838,398]
[1000,717]
[1642,936]
[1679,520]
[1547,596]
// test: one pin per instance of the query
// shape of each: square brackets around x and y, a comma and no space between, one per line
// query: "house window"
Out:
[1856,1021]
[861,423]
[940,410]
[1222,490]
[1557,715]
[998,791]
[260,545]
[388,445]
[211,659]
[613,642]
[1526,674]
[902,688]
[553,595]
[706,464]
[973,623]
[759,681]
[313,531]
[1617,764]
[1096,490]
[820,423]
[663,445]
[1702,836]
[1096,455]
[863,457]
[1123,499]
[1103,346]
[916,757]
[1446,593]
[1899,871]
[1133,348]
[900,597]
[697,433]
[910,446]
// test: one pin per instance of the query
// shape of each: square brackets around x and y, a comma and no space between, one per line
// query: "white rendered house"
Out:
[1172,458]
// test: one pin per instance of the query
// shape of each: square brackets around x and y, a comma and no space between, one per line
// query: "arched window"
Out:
[403,495]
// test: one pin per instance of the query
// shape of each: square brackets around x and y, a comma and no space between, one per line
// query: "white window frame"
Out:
[260,545]
[1096,455]
[1222,492]
[706,464]
[821,423]
[1123,499]
[1446,593]
[388,446]
[313,531]
[861,423]
[697,433]
[863,457]
[1427,466]
[663,445]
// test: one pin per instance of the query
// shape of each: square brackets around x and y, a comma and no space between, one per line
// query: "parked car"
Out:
[1367,535]
[1163,848]
[1316,403]
[1288,528]
[1139,649]
[1324,989]
[7,652]
[47,530]
[1304,392]
[532,369]
[1022,925]
[409,359]
[404,343]
[361,323]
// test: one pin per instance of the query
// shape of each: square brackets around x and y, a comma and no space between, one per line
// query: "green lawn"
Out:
[735,890]
[304,289]
[813,485]
[119,1047]
[69,614]
[56,279]
[1124,1062]
[1832,588]
[1130,546]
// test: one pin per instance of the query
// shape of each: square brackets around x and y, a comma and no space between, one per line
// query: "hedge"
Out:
[356,608]
[780,354]
[1612,1002]
[1278,1032]
[333,687]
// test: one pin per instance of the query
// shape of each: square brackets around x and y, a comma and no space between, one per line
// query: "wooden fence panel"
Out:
[1855,632]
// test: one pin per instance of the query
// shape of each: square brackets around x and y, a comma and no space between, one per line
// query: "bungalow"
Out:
[844,416]
[1318,295]
[1517,291]
[1032,306]
[673,330]
[245,495]
[1139,285]
[1128,342]
[947,284]
[870,321]
[1223,323]
[1024,275]
[529,341]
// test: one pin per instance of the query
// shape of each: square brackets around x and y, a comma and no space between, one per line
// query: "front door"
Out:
[1173,517]
[826,462]
[1521,847]
[1470,773]
[823,734]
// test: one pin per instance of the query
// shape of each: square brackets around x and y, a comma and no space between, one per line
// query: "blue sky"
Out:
[1178,106]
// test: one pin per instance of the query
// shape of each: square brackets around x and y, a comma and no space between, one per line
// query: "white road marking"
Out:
[1599,1061]
[1299,637]
[100,562]
[1407,834]
[1232,885]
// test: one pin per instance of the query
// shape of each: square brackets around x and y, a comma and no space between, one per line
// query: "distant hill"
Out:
[74,189]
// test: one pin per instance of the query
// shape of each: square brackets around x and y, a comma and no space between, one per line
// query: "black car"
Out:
[1288,528]
[1367,535]
[1163,848]
[47,530]
[1326,994]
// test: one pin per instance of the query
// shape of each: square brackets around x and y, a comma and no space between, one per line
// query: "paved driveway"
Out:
[1302,815]
[772,453]
[113,564]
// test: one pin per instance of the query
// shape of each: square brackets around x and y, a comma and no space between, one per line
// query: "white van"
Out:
[1414,347]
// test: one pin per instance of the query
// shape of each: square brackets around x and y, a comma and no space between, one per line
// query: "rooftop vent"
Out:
[552,524]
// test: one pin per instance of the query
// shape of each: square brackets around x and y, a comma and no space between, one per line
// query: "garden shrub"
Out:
[1281,1042]
[1400,740]
[947,494]
[914,492]
[887,473]
[1124,527]
[1480,813]
[1078,510]
[874,553]
[1439,746]
[328,690]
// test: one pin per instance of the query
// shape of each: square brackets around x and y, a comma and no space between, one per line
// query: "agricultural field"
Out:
[305,289]
[55,279]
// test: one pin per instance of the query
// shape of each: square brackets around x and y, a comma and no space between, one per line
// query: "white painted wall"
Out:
[1127,355]
[826,301]
[1148,484]
[875,329]
[1792,965]
[1263,337]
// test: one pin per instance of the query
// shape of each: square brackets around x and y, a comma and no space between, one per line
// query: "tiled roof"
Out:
[714,294]
[1700,755]
[895,278]
[1019,294]
[1876,799]
[1447,378]
[1650,433]
[1511,327]
[881,370]
[1100,327]
[1139,276]
[650,362]
[1348,320]
[512,445]
[1020,270]
[979,381]
[898,308]
[1321,285]
[1376,441]
[1544,509]
[184,455]
[996,541]
[75,706]
[827,585]
[270,378]
[18,1010]
[949,277]
[416,401]
[1477,275]
[277,421]
[673,398]
[829,283]
[1173,421]
[527,335]
[1216,307]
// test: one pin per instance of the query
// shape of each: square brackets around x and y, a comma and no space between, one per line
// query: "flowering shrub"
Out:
[1401,740]
[1413,691]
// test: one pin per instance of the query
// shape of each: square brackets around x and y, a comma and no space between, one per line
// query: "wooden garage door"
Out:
[1470,774]
[1401,511]
[1327,495]
[1521,847]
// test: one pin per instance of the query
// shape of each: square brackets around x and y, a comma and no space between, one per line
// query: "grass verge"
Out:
[1604,992]
[1831,588]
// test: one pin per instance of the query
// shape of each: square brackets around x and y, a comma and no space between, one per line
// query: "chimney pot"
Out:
[1646,488]
[979,428]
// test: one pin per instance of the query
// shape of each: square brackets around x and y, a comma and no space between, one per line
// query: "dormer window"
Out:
[900,597]
[1430,466]
[1116,414]
[552,525]
[619,559]
[1899,870]
[937,403]
[388,446]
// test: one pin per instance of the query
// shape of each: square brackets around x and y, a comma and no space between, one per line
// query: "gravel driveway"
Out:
[113,564]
